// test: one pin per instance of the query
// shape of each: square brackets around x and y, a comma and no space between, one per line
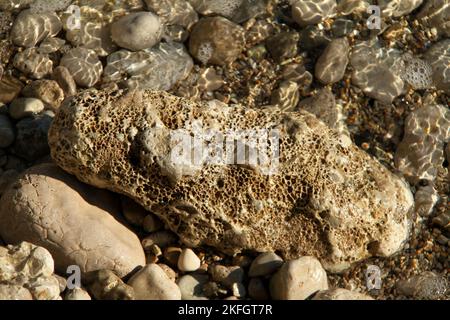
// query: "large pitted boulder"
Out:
[324,197]
[76,223]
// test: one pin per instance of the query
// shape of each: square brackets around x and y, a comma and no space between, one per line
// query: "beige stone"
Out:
[298,279]
[78,224]
[152,283]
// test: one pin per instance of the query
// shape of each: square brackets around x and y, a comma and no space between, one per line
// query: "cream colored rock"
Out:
[76,223]
[298,279]
[152,283]
[340,294]
[27,266]
[325,196]
[188,261]
[14,292]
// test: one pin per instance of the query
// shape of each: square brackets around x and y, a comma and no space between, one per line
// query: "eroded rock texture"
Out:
[328,198]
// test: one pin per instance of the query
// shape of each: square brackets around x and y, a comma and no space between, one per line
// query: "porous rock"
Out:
[326,198]
[75,222]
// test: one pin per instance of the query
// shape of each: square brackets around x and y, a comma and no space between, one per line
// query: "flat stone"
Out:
[331,65]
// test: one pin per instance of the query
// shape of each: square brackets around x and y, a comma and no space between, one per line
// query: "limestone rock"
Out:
[75,222]
[340,294]
[26,267]
[298,279]
[152,283]
[106,285]
[10,88]
[323,105]
[188,261]
[14,292]
[322,195]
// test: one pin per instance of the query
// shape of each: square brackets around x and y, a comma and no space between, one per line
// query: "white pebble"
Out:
[188,261]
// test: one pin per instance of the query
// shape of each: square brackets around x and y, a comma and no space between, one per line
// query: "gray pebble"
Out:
[137,31]
[191,286]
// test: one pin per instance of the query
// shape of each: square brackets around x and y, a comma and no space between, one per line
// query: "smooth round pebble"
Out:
[137,31]
[191,286]
[188,261]
[152,283]
[298,279]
